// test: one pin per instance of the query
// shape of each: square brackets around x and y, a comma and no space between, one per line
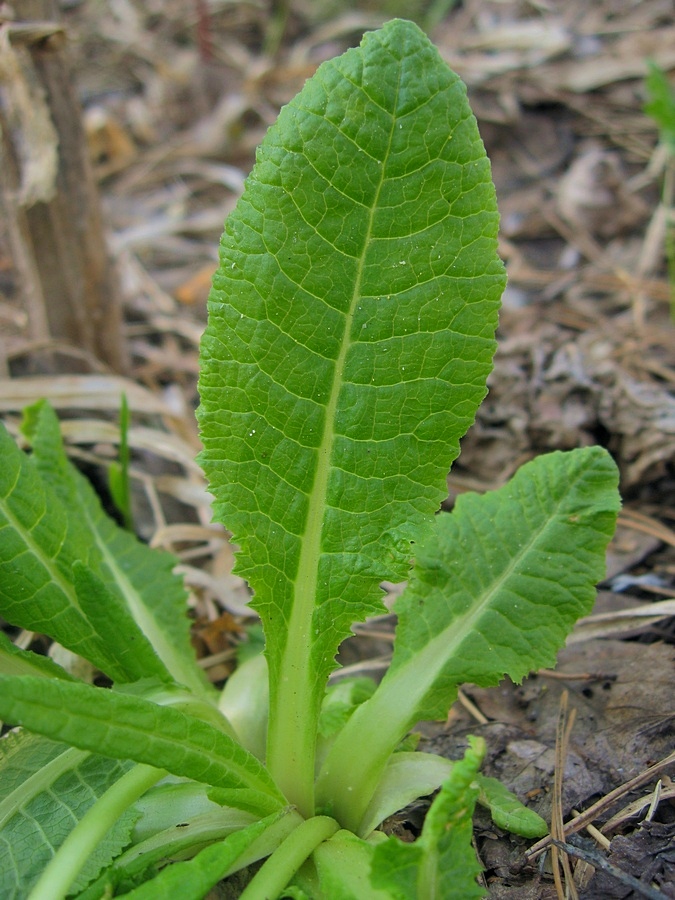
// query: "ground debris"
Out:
[648,854]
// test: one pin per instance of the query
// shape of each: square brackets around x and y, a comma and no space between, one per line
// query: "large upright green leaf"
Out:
[494,592]
[351,332]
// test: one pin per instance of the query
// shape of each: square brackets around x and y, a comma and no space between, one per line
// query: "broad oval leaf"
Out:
[350,336]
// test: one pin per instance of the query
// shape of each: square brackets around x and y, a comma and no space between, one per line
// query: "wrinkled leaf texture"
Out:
[127,590]
[45,789]
[127,727]
[39,543]
[350,336]
[504,578]
[494,592]
[67,570]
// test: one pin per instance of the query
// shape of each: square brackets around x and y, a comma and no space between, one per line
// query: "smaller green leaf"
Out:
[118,474]
[507,811]
[494,592]
[127,727]
[40,540]
[15,661]
[342,869]
[340,702]
[145,603]
[244,701]
[660,104]
[175,801]
[183,835]
[395,869]
[450,866]
[507,574]
[111,619]
[192,880]
[407,777]
[442,862]
[71,868]
[29,765]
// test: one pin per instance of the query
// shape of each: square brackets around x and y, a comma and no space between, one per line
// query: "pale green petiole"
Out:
[64,868]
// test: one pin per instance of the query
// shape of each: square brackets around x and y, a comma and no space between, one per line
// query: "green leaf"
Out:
[350,336]
[244,701]
[407,776]
[127,727]
[175,801]
[65,872]
[507,811]
[111,619]
[15,661]
[118,474]
[494,592]
[506,576]
[45,789]
[341,870]
[40,540]
[127,591]
[660,103]
[441,864]
[192,880]
[184,833]
[340,702]
[395,869]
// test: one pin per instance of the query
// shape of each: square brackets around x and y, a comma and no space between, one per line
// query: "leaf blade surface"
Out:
[122,726]
[494,592]
[441,863]
[127,590]
[350,336]
[39,543]
[45,789]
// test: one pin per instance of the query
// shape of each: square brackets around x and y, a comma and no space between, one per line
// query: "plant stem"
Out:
[354,765]
[278,870]
[71,856]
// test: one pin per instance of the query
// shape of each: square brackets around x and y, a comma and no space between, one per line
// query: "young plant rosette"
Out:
[350,338]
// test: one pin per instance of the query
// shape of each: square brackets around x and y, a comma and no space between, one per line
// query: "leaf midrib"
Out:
[182,670]
[383,719]
[39,781]
[429,661]
[48,562]
[299,693]
[128,724]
